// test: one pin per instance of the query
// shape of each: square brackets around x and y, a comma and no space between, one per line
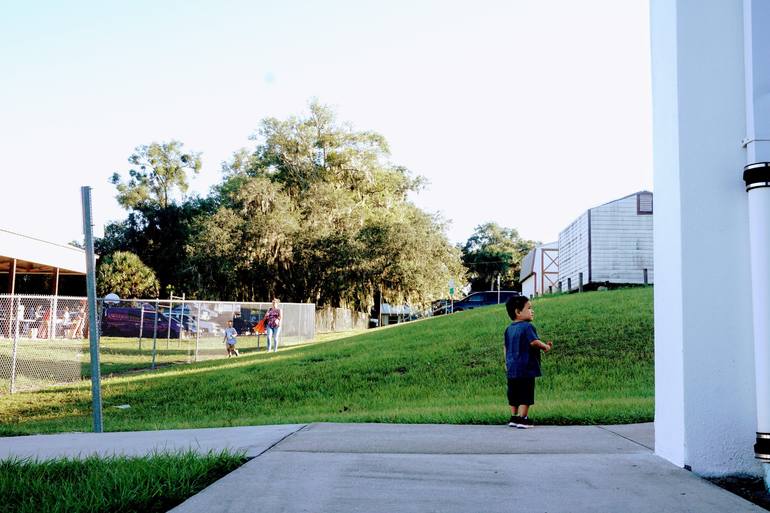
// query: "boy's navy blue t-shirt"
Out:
[521,359]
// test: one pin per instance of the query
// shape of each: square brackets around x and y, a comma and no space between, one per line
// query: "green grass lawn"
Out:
[148,484]
[46,362]
[447,369]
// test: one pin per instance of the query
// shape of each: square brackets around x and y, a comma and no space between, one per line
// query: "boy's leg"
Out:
[512,402]
[528,398]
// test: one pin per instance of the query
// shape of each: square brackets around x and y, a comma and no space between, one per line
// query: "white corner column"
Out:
[704,363]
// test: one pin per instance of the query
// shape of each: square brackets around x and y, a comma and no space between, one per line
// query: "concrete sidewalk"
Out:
[340,468]
[253,441]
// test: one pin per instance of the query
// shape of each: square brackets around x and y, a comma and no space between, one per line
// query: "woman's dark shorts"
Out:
[521,391]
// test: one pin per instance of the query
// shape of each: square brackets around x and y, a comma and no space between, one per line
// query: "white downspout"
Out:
[757,177]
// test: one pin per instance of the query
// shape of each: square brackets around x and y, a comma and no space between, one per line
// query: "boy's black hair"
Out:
[515,303]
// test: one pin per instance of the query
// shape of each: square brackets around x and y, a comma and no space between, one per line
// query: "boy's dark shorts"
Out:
[521,391]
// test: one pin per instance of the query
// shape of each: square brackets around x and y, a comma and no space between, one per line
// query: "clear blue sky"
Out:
[525,113]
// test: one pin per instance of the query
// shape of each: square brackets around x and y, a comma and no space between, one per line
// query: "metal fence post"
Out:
[93,327]
[53,318]
[170,307]
[181,318]
[155,333]
[15,313]
[141,324]
[197,332]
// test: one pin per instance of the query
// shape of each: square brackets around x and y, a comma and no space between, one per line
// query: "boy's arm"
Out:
[541,345]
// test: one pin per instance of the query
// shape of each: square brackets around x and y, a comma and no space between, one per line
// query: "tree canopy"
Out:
[314,211]
[158,171]
[494,250]
[124,274]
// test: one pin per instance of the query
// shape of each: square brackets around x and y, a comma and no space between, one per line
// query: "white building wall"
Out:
[573,252]
[621,243]
[704,372]
[534,261]
[528,286]
[526,276]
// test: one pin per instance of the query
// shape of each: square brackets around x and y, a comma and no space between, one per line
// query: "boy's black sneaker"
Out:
[524,423]
[514,422]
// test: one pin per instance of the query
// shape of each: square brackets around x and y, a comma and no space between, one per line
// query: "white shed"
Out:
[540,270]
[611,243]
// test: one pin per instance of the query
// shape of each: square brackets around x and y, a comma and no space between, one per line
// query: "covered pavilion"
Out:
[24,255]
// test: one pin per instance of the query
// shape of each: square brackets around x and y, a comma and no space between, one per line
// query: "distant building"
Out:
[34,266]
[540,270]
[395,314]
[611,243]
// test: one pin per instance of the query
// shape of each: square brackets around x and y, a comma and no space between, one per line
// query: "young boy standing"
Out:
[230,338]
[522,360]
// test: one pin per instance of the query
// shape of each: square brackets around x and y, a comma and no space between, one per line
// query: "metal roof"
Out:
[35,256]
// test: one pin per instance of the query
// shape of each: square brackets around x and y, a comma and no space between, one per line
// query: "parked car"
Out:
[188,311]
[479,299]
[192,324]
[119,321]
[441,306]
[187,316]
[189,323]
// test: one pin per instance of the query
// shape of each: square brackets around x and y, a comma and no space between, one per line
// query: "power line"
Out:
[489,262]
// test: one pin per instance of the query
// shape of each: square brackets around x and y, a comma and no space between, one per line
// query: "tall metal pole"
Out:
[93,331]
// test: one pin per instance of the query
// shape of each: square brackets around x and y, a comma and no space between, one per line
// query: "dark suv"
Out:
[478,299]
[120,321]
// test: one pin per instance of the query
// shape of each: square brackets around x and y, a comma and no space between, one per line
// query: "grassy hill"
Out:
[444,370]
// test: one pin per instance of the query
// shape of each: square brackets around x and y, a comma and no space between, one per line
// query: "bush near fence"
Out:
[328,320]
[44,339]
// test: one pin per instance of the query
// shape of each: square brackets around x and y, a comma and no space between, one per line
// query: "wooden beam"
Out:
[12,277]
[55,282]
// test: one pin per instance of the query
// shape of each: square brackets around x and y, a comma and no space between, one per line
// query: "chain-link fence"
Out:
[44,339]
[330,319]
